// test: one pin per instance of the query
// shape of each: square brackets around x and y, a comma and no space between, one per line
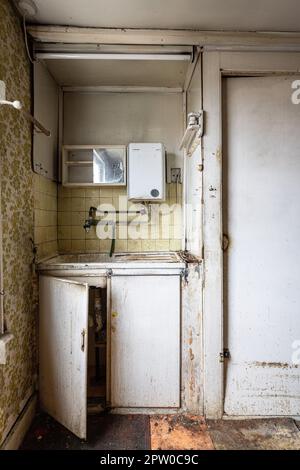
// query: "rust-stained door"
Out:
[63,326]
[262,261]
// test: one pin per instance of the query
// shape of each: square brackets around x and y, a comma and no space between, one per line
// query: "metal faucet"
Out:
[91,220]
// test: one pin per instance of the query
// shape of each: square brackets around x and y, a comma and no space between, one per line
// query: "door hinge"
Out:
[83,340]
[225,354]
[185,274]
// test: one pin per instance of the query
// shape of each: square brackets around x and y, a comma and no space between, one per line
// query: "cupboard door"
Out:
[63,326]
[145,341]
[46,110]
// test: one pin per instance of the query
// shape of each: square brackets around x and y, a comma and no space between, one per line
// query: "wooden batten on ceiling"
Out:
[212,39]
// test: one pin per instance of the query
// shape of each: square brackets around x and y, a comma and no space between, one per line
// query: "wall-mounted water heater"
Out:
[146,172]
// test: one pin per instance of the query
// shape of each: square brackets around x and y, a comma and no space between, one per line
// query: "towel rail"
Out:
[18,105]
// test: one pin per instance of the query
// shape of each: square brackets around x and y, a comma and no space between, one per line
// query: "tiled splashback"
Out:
[45,216]
[163,234]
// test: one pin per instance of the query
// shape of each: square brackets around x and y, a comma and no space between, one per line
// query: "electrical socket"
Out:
[175,175]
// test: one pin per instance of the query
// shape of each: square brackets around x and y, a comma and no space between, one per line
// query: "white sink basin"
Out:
[102,260]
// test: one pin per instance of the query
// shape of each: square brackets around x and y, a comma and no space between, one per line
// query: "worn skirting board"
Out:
[21,426]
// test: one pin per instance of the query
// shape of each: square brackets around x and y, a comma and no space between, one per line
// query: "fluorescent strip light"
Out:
[108,56]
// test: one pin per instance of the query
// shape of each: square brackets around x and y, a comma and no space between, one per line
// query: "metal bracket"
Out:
[109,273]
[185,274]
[225,354]
[83,340]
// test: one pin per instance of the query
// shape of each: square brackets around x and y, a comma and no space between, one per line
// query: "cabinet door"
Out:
[46,110]
[63,326]
[145,341]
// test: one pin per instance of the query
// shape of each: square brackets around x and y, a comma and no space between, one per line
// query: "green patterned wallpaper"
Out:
[17,377]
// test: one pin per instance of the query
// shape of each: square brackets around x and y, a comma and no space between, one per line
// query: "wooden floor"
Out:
[170,432]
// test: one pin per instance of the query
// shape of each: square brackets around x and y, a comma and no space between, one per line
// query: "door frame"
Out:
[216,65]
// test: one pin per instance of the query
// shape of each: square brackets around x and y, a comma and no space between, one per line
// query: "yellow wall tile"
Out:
[92,245]
[91,234]
[78,233]
[64,218]
[78,218]
[78,192]
[78,245]
[162,245]
[106,192]
[134,245]
[175,245]
[65,245]
[73,211]
[64,233]
[121,245]
[148,245]
[78,203]
[91,202]
[92,192]
[105,246]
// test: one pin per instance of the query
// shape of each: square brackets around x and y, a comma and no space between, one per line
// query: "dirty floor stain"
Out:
[184,432]
[255,434]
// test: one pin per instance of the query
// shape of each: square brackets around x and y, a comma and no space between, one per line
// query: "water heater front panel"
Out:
[146,171]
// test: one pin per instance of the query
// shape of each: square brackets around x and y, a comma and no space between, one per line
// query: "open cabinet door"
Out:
[63,326]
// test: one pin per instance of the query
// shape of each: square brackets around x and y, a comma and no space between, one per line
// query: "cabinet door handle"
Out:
[83,340]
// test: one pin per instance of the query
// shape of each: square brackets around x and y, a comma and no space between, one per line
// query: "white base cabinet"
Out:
[145,341]
[143,350]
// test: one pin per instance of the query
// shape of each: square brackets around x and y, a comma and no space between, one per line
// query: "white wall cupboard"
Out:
[88,165]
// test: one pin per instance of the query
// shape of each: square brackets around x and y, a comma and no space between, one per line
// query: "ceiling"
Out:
[234,15]
[118,72]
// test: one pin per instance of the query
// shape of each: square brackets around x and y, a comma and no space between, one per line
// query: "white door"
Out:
[262,264]
[145,341]
[63,326]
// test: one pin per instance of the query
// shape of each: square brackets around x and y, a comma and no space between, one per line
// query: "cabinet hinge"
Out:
[225,354]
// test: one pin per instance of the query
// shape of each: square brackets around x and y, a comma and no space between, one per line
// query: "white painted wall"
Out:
[121,118]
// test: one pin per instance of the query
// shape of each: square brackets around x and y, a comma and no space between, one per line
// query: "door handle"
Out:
[83,340]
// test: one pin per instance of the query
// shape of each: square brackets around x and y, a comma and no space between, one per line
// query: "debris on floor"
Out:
[165,432]
[184,432]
